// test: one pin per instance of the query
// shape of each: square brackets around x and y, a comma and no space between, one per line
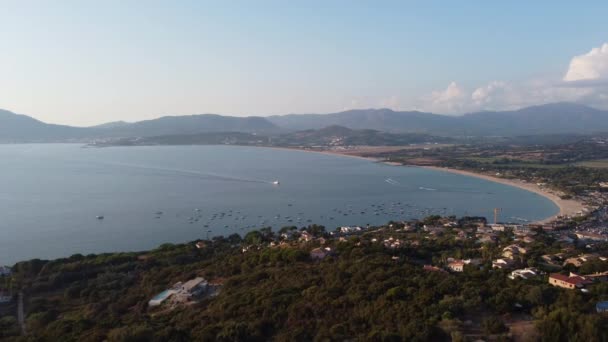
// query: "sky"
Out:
[90,62]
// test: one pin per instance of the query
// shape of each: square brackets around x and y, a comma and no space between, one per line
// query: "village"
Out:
[560,253]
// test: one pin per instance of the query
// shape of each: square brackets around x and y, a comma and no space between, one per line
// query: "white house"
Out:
[525,273]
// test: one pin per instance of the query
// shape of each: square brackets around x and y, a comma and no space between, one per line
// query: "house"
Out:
[431,268]
[553,259]
[487,238]
[502,263]
[473,261]
[571,281]
[497,227]
[348,230]
[578,261]
[461,235]
[522,230]
[320,253]
[5,271]
[548,228]
[514,227]
[484,230]
[456,266]
[598,276]
[306,236]
[601,307]
[518,248]
[193,287]
[200,245]
[392,243]
[525,273]
[512,251]
[433,230]
[565,239]
[181,292]
[588,236]
[408,228]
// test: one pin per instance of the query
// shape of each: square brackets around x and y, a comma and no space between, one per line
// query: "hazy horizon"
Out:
[284,114]
[84,64]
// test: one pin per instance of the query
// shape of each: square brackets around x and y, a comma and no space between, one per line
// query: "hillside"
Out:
[328,136]
[342,136]
[555,118]
[22,128]
[377,119]
[359,286]
[189,124]
[549,119]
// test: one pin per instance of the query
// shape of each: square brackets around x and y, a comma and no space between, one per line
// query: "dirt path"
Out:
[20,313]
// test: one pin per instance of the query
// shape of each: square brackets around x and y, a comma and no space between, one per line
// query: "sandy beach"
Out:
[566,207]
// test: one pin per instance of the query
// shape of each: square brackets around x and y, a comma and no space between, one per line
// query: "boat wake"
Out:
[392,181]
[519,219]
[191,173]
[427,189]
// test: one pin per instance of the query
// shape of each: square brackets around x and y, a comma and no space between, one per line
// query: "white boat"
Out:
[276,182]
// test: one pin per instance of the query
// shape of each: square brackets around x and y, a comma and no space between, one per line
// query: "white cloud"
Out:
[452,99]
[590,66]
[494,94]
[392,102]
[586,81]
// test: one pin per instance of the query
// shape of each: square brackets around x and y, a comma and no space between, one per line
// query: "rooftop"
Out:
[190,284]
[574,279]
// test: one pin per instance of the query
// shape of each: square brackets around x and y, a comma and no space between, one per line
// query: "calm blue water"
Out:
[50,195]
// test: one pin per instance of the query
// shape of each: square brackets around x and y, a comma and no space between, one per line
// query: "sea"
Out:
[57,200]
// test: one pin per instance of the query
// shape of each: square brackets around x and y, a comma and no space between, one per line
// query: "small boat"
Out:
[276,182]
[99,217]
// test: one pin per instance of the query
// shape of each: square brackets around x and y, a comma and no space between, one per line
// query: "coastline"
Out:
[566,207]
[335,153]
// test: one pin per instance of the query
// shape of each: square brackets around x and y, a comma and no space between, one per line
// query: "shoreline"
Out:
[335,153]
[566,207]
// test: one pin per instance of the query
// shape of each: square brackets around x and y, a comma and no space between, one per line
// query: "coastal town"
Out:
[567,252]
[387,171]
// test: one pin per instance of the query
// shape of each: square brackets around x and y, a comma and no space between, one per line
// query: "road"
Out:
[20,314]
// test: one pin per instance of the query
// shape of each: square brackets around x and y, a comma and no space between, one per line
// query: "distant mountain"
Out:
[549,119]
[189,124]
[22,128]
[328,136]
[113,124]
[555,118]
[378,119]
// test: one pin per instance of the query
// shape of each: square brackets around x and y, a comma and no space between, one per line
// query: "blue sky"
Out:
[85,62]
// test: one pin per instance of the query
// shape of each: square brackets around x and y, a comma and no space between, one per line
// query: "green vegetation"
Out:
[572,168]
[598,163]
[365,291]
[325,137]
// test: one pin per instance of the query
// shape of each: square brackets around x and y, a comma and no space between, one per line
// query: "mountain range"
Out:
[554,118]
